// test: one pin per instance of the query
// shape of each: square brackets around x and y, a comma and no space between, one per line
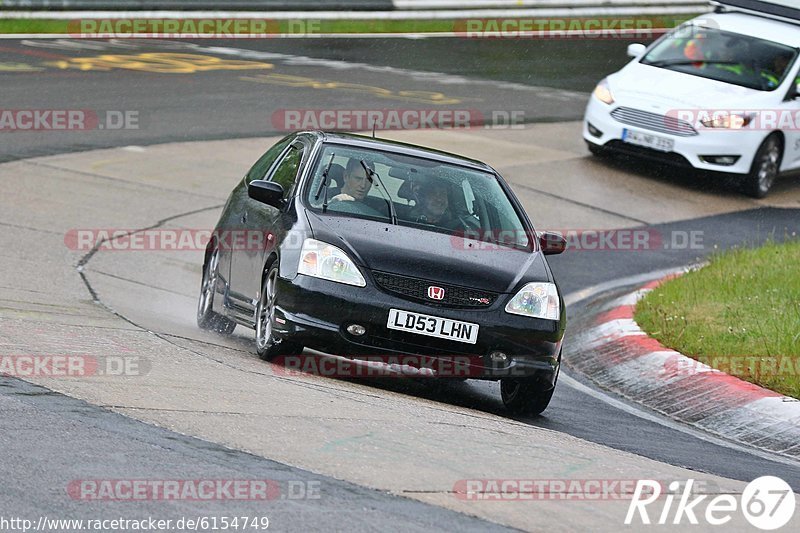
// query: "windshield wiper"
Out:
[679,62]
[372,174]
[324,185]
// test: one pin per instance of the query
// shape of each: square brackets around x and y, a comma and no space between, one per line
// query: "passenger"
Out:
[432,205]
[694,49]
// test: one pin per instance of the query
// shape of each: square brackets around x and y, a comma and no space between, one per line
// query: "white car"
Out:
[719,93]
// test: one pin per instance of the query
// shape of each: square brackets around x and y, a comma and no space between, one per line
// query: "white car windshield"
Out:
[723,56]
[427,194]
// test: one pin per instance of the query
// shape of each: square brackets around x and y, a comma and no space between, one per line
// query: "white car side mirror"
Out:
[636,49]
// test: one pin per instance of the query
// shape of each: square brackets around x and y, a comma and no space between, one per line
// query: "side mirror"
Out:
[636,49]
[794,94]
[266,192]
[552,243]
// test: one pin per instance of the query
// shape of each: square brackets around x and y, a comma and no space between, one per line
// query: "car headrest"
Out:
[406,190]
[413,186]
[336,174]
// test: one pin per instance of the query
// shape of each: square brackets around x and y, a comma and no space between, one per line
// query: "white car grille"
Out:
[653,121]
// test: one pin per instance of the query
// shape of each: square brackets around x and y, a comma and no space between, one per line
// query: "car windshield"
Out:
[423,193]
[723,56]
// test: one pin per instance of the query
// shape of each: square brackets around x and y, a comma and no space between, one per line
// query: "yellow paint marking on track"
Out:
[162,63]
[96,166]
[426,97]
[19,67]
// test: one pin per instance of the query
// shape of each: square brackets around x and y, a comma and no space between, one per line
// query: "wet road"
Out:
[209,90]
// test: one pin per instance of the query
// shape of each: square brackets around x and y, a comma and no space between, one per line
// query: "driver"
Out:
[780,63]
[774,73]
[356,185]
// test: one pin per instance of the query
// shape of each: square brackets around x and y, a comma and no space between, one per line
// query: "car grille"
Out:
[653,121]
[417,289]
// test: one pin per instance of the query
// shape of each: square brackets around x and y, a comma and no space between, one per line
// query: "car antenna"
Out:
[374,123]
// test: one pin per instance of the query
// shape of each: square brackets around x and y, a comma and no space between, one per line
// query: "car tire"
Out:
[267,346]
[765,167]
[207,318]
[525,395]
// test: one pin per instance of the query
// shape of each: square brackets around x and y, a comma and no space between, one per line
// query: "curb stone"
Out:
[613,351]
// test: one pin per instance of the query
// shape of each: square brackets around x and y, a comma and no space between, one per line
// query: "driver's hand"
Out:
[343,198]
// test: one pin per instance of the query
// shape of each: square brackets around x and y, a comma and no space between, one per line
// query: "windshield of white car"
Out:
[427,194]
[723,56]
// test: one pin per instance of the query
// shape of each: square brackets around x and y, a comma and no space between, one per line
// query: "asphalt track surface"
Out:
[214,102]
[42,431]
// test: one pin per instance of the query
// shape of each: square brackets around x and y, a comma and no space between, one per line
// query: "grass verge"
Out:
[740,314]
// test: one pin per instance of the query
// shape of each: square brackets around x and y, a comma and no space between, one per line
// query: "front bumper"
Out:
[687,151]
[315,313]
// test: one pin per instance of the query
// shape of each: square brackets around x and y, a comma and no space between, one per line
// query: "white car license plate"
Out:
[433,326]
[655,142]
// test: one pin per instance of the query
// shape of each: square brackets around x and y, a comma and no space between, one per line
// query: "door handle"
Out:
[244,217]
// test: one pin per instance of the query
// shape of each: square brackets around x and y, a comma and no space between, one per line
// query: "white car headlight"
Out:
[537,300]
[727,121]
[322,260]
[603,92]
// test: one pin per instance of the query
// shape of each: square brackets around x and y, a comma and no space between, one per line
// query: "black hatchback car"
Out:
[356,246]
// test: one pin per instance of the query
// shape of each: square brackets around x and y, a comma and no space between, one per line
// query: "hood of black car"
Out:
[414,252]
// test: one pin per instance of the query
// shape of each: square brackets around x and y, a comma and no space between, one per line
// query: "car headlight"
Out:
[603,92]
[727,121]
[322,260]
[537,300]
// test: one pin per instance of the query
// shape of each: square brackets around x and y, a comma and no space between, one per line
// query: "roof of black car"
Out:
[402,148]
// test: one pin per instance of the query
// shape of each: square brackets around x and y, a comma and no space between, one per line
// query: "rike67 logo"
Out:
[767,503]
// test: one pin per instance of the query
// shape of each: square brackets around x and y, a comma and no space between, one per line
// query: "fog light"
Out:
[594,131]
[356,329]
[724,160]
[498,358]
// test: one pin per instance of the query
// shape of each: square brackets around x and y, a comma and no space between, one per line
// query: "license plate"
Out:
[655,142]
[433,326]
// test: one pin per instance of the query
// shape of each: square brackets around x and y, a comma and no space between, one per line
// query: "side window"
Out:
[263,165]
[286,172]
